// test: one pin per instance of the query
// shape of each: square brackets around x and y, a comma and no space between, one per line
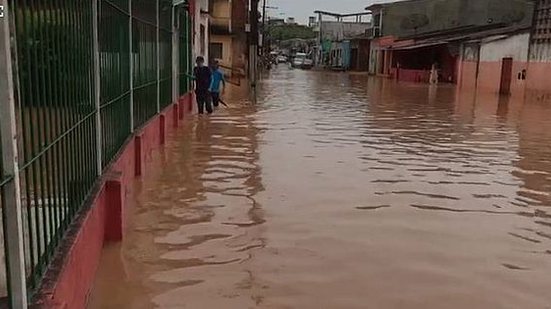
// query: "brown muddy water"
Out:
[339,191]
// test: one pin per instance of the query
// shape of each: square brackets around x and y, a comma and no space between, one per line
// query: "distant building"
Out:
[343,41]
[291,21]
[478,42]
[276,21]
[228,39]
[312,22]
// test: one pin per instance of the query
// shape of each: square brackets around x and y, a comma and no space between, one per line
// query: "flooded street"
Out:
[343,191]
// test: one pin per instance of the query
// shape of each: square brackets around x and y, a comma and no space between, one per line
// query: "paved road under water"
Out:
[339,191]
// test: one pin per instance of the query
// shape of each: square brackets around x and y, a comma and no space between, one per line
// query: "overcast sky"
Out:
[301,9]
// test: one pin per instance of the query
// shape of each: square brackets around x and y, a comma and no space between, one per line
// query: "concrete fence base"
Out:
[69,280]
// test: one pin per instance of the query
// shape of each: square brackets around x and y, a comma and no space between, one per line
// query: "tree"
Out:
[287,32]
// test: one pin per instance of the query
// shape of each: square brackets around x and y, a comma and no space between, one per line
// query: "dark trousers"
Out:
[215,98]
[203,101]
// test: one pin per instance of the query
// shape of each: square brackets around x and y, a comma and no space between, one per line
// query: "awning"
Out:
[421,45]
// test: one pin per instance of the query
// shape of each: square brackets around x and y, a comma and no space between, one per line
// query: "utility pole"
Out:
[253,47]
[10,195]
[264,28]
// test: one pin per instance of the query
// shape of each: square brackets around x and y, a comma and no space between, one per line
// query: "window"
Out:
[216,51]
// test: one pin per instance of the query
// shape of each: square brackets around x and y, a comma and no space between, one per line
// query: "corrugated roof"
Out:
[436,39]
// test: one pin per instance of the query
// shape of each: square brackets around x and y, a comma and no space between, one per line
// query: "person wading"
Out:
[216,80]
[202,77]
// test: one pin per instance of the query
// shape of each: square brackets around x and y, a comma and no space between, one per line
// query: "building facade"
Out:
[496,64]
[342,40]
[478,43]
[199,10]
[540,49]
[228,39]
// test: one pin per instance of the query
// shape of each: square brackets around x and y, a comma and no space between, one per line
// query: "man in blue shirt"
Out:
[216,79]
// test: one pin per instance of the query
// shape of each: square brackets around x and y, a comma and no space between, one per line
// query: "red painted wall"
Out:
[69,280]
[489,77]
[415,76]
[468,75]
[538,77]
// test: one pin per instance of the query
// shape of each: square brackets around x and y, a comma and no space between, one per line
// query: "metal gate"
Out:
[77,78]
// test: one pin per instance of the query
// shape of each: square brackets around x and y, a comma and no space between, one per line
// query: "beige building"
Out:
[228,39]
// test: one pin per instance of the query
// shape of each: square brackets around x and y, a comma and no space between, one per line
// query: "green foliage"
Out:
[52,57]
[287,32]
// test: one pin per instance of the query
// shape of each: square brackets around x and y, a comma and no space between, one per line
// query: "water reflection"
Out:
[195,212]
[342,191]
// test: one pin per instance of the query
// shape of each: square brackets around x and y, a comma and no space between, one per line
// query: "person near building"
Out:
[216,80]
[202,76]
[433,79]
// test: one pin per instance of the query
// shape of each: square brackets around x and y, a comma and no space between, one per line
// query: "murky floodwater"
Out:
[336,191]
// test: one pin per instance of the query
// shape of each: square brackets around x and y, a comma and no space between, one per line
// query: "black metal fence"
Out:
[57,121]
[87,73]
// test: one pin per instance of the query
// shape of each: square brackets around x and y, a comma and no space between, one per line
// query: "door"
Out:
[506,76]
[354,59]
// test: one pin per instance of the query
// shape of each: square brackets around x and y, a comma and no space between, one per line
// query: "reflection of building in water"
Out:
[534,164]
[200,194]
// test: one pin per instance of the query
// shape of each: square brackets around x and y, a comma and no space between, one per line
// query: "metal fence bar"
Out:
[131,66]
[165,35]
[10,190]
[158,58]
[145,86]
[184,50]
[174,42]
[115,75]
[97,83]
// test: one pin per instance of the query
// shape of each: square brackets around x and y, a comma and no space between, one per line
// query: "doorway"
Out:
[506,76]
[354,59]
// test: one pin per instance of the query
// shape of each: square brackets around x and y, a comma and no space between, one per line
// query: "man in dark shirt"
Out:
[202,76]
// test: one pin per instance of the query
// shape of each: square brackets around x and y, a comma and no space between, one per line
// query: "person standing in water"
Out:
[216,80]
[433,79]
[202,76]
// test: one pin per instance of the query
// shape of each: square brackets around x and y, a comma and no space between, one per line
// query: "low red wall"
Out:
[69,280]
[489,77]
[414,76]
[468,75]
[538,77]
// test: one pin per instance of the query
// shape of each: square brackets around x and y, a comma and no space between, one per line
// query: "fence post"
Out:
[11,197]
[97,85]
[131,73]
[190,41]
[158,59]
[175,54]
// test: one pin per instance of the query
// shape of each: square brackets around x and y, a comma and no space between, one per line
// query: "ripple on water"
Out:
[343,191]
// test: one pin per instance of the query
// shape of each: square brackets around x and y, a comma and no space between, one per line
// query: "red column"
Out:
[138,148]
[114,225]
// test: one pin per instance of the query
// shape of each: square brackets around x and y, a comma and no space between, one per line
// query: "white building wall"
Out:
[495,49]
[201,42]
[338,31]
[374,57]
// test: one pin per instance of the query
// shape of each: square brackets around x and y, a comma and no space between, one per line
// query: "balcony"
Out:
[220,17]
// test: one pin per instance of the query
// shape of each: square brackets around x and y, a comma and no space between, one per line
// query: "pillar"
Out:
[97,85]
[11,191]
